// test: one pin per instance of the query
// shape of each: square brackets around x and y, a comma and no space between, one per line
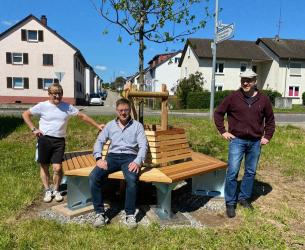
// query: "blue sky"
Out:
[80,24]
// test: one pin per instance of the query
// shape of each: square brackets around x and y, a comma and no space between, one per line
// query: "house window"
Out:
[185,72]
[47,82]
[177,59]
[47,59]
[17,82]
[219,67]
[243,67]
[295,69]
[32,35]
[218,87]
[294,91]
[17,58]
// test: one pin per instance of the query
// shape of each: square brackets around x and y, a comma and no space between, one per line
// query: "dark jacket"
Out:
[246,121]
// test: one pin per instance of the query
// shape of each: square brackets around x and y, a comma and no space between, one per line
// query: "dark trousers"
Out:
[115,162]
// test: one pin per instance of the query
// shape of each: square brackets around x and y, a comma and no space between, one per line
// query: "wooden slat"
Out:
[75,161]
[168,159]
[169,153]
[146,175]
[167,143]
[86,161]
[165,137]
[167,148]
[65,166]
[195,171]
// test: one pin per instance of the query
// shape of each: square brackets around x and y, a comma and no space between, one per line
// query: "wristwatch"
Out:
[33,129]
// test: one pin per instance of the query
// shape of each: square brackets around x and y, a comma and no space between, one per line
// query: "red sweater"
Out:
[246,121]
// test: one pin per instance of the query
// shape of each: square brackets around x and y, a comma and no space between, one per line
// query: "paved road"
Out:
[109,109]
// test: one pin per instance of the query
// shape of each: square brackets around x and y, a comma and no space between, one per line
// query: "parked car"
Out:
[103,94]
[95,99]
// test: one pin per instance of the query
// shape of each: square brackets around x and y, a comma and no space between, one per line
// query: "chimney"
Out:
[44,20]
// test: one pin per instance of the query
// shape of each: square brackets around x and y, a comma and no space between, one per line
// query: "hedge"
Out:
[201,100]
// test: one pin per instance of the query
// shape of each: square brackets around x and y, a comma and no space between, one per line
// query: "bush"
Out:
[192,84]
[303,98]
[272,94]
[201,100]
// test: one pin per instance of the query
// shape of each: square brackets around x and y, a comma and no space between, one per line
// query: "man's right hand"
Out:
[102,164]
[228,136]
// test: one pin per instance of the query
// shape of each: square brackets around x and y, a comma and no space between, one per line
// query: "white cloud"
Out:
[122,72]
[8,22]
[100,67]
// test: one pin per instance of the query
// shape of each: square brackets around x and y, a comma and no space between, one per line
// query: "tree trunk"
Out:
[141,53]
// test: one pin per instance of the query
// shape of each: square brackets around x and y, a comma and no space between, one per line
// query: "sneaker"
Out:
[246,204]
[58,196]
[47,196]
[100,220]
[130,221]
[230,211]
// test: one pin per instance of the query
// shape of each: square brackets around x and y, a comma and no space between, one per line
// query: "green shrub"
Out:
[201,100]
[192,84]
[303,98]
[272,94]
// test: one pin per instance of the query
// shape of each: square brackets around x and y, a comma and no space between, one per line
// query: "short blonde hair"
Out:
[55,88]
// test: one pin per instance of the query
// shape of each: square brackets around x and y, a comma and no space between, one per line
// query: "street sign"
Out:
[225,32]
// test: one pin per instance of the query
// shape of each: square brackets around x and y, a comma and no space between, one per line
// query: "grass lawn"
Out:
[282,164]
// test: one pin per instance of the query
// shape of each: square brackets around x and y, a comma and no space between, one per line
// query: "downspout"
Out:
[287,66]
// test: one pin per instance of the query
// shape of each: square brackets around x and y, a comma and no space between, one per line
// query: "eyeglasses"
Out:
[123,110]
[56,94]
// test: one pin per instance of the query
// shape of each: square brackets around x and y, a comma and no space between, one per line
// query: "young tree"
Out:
[194,83]
[153,20]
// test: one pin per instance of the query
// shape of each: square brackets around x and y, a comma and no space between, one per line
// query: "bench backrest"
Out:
[165,148]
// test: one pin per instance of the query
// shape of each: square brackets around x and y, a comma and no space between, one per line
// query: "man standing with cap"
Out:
[250,125]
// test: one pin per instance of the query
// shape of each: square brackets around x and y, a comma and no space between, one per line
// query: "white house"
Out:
[163,69]
[278,62]
[286,72]
[33,56]
[232,57]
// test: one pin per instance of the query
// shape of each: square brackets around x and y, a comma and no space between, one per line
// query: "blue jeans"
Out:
[115,162]
[239,148]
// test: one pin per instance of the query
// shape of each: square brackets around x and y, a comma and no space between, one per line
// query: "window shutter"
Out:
[8,57]
[40,35]
[25,83]
[55,80]
[25,58]
[40,83]
[23,35]
[9,82]
[44,59]
[51,59]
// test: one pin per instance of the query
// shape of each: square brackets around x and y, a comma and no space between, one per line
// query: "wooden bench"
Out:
[169,161]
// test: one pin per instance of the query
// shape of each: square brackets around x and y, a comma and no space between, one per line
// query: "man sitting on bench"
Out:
[127,152]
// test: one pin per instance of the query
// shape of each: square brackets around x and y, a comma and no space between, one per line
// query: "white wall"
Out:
[62,60]
[167,73]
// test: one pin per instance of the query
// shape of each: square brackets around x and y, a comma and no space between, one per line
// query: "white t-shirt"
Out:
[54,118]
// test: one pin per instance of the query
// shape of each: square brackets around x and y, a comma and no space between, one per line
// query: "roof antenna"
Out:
[277,36]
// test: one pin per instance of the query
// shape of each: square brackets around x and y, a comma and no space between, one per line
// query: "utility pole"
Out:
[213,46]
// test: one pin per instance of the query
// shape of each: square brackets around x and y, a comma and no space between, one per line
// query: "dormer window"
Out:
[32,36]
